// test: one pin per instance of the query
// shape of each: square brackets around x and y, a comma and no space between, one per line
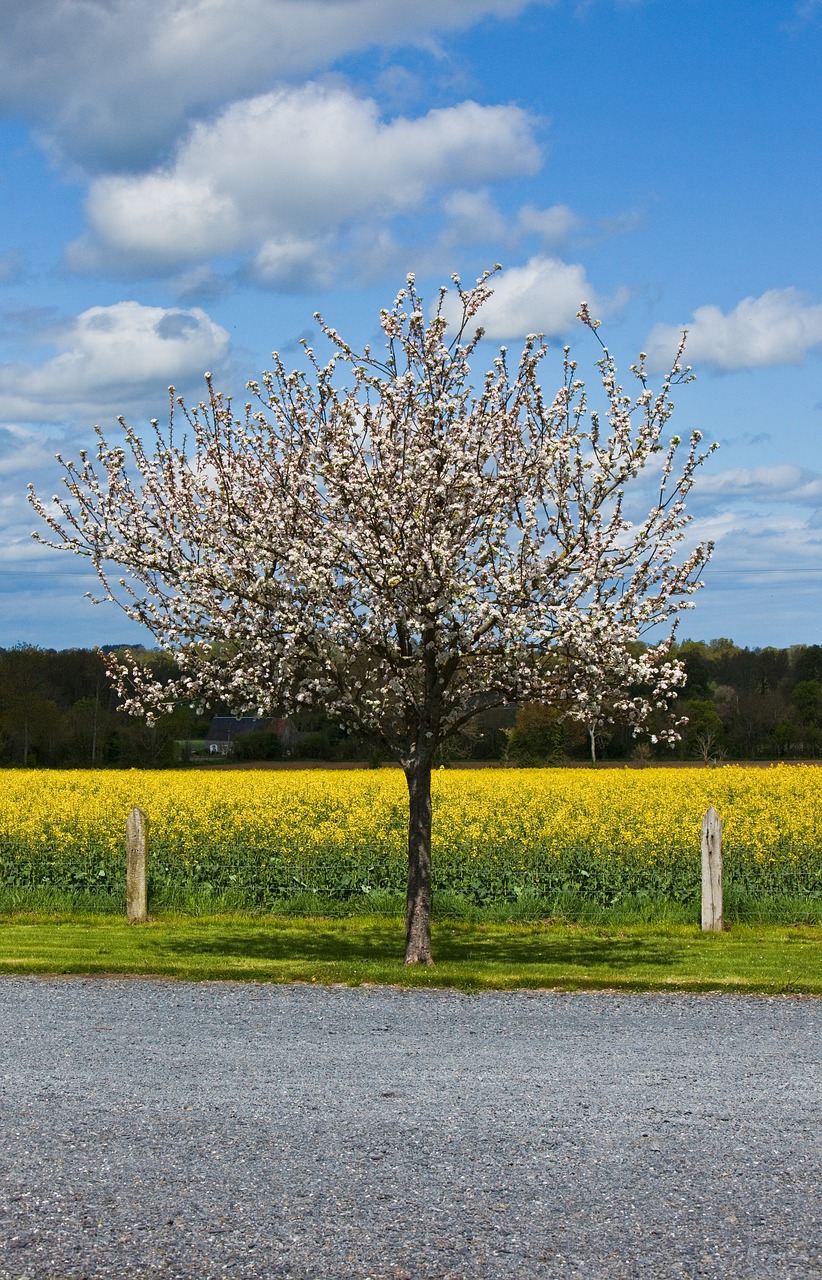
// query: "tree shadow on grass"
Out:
[383,943]
[558,949]
[315,944]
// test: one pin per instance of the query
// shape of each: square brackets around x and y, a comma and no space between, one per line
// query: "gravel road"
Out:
[166,1129]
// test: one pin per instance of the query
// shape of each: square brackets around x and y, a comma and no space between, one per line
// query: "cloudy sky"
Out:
[186,181]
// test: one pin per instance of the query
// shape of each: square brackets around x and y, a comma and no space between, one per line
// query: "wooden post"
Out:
[711,872]
[137,866]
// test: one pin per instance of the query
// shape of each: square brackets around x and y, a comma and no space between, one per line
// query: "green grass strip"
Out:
[764,959]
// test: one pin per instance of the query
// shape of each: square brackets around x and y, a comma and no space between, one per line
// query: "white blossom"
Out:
[404,550]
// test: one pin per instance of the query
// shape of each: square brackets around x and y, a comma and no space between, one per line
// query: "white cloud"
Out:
[116,81]
[541,297]
[752,542]
[200,284]
[783,541]
[777,328]
[41,592]
[553,225]
[783,482]
[473,217]
[110,358]
[288,167]
[26,454]
[22,451]
[294,262]
[765,524]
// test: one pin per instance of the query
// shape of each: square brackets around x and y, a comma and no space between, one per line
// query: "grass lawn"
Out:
[766,959]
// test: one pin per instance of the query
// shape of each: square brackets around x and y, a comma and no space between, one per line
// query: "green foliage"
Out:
[257,745]
[509,881]
[751,704]
[317,745]
[539,736]
[705,734]
[57,709]
[807,699]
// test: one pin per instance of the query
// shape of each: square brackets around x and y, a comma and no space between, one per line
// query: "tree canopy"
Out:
[377,535]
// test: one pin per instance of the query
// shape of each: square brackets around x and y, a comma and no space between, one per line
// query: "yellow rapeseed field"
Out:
[497,832]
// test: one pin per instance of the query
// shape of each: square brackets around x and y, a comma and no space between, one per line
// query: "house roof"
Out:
[227,728]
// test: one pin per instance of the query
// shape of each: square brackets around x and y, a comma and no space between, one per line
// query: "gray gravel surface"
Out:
[165,1129]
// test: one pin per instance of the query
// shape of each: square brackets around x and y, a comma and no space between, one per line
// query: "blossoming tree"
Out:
[400,547]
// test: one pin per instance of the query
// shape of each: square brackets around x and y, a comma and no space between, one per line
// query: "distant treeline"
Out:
[57,709]
[752,703]
[741,704]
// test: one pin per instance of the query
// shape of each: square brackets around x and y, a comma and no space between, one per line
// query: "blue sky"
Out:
[186,181]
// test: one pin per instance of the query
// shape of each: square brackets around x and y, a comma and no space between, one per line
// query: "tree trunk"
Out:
[418,902]
[592,735]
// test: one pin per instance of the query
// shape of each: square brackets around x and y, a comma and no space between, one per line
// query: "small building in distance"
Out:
[224,731]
